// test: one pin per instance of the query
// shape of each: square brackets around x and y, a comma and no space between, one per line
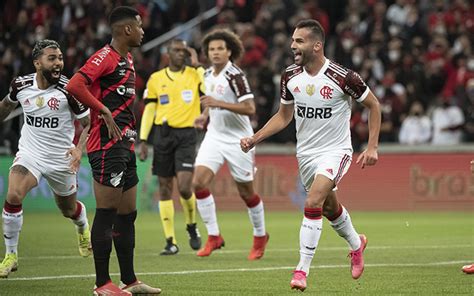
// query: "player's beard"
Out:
[49,76]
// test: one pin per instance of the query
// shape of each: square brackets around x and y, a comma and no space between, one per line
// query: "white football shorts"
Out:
[333,164]
[56,171]
[213,153]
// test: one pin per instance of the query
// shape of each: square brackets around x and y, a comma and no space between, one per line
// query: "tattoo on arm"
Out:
[19,169]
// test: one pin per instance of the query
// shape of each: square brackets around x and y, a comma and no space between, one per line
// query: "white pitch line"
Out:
[185,272]
[268,250]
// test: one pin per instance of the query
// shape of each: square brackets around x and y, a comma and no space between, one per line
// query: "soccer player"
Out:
[228,104]
[172,104]
[469,269]
[45,148]
[318,92]
[106,83]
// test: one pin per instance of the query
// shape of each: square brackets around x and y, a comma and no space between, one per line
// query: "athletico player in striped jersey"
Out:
[319,93]
[106,83]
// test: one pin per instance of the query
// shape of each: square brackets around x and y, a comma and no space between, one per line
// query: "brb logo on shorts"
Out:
[310,112]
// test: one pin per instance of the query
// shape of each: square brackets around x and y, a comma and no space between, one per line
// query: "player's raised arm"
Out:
[6,107]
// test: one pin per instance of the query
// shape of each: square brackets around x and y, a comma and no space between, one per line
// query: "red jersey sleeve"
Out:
[97,65]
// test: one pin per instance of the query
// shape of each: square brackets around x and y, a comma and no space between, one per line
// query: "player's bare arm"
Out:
[76,152]
[278,122]
[369,156]
[246,107]
[6,107]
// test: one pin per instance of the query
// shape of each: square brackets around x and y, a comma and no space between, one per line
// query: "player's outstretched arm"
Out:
[6,107]
[76,152]
[278,122]
[369,156]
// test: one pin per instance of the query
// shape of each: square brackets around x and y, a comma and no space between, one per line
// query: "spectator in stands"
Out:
[448,122]
[416,127]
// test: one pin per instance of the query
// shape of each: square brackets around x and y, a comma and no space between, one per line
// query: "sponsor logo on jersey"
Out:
[44,122]
[316,113]
[326,92]
[122,90]
[131,135]
[296,90]
[310,89]
[27,102]
[329,171]
[100,56]
[164,99]
[122,72]
[187,95]
[39,101]
[53,103]
[122,63]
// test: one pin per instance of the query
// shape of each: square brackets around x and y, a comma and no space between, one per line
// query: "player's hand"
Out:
[208,101]
[200,122]
[368,157]
[143,151]
[114,131]
[472,167]
[246,144]
[76,155]
[194,56]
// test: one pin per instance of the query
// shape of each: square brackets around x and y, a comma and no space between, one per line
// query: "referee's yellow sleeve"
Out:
[147,118]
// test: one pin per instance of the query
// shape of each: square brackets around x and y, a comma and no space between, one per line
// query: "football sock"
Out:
[189,209]
[80,217]
[256,215]
[207,210]
[310,232]
[342,224]
[12,216]
[167,218]
[101,237]
[124,242]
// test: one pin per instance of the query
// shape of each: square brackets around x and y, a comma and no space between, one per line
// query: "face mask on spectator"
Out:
[394,55]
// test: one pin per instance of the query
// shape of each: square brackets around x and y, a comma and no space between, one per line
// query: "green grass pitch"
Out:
[415,253]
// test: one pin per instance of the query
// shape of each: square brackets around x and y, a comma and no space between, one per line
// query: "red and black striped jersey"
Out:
[112,81]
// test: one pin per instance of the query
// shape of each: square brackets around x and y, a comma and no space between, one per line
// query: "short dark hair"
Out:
[232,42]
[42,44]
[314,26]
[121,13]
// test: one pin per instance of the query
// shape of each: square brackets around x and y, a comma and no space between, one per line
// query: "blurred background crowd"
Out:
[416,55]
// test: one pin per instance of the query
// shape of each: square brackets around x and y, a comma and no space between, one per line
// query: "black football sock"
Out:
[101,238]
[124,241]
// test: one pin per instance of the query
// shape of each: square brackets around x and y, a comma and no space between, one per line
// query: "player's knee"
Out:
[185,192]
[68,212]
[198,186]
[165,193]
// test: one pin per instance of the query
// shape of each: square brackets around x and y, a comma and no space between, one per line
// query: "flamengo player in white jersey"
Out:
[45,148]
[318,92]
[228,103]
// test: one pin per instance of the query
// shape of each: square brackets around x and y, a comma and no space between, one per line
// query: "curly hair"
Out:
[232,42]
[42,44]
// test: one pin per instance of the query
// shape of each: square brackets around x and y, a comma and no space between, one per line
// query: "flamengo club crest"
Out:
[39,101]
[53,103]
[326,92]
[310,89]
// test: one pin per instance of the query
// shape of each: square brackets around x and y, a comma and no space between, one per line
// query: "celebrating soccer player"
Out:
[106,83]
[45,148]
[228,103]
[318,92]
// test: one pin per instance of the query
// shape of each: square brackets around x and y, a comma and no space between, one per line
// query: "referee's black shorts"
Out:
[174,150]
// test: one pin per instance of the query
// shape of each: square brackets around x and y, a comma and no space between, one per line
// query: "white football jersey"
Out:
[230,86]
[49,114]
[322,106]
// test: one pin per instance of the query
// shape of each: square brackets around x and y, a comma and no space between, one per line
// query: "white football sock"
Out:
[207,210]
[257,217]
[81,220]
[310,232]
[12,223]
[343,226]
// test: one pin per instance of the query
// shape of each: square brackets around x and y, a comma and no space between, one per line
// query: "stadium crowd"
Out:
[416,55]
